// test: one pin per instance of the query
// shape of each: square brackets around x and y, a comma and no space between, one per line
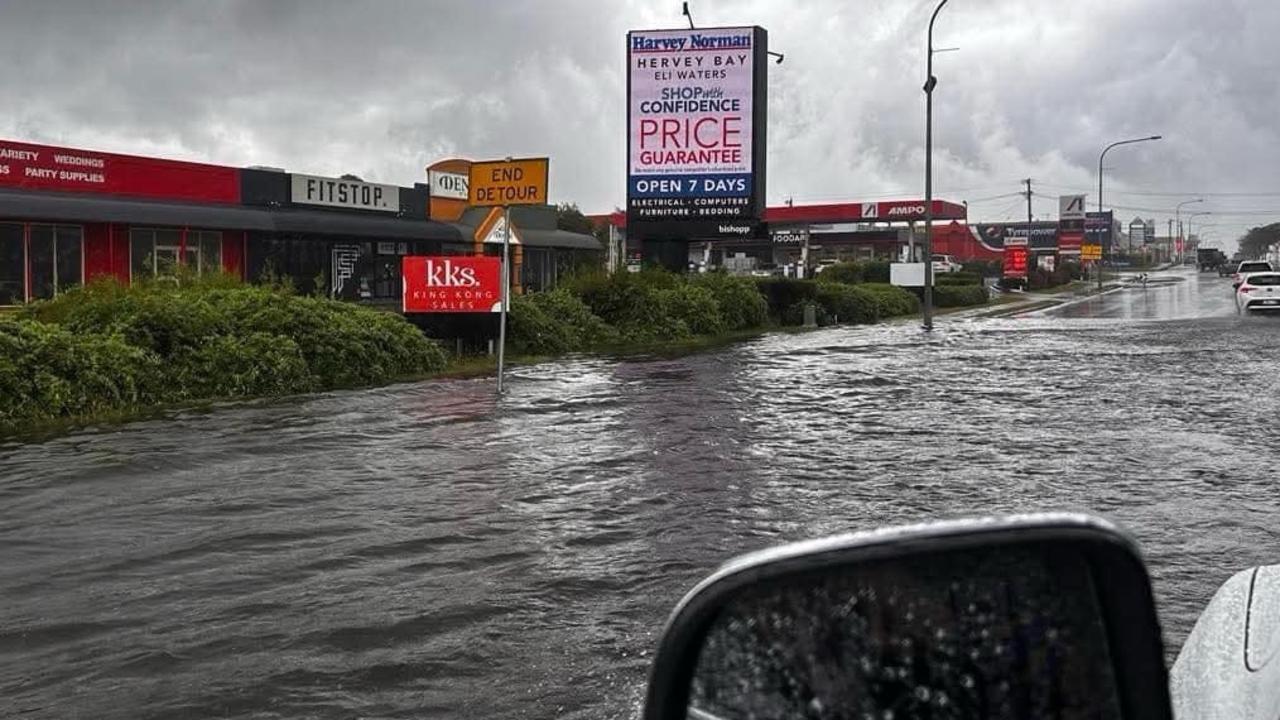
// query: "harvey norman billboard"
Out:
[696,132]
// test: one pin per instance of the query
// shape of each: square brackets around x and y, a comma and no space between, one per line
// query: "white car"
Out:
[1249,266]
[1258,291]
[945,264]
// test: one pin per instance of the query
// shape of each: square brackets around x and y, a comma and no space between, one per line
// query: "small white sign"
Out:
[906,274]
[335,192]
[496,232]
[448,185]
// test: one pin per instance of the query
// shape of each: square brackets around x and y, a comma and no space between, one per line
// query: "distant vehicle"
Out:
[1210,259]
[945,264]
[1247,267]
[1259,291]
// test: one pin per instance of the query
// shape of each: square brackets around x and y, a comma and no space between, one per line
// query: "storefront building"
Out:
[68,216]
[806,236]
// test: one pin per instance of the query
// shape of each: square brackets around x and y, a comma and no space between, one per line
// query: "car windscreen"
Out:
[1254,267]
[1263,279]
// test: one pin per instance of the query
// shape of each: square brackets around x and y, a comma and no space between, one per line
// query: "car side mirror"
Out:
[1040,616]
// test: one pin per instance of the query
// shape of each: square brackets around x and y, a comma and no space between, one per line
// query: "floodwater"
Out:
[427,551]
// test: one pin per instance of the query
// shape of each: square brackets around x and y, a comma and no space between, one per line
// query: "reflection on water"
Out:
[426,550]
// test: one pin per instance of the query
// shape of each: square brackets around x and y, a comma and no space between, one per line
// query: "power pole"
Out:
[1028,182]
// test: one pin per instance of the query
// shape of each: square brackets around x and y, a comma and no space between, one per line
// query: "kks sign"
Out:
[451,284]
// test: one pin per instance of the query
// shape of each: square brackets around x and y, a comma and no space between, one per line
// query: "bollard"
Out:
[810,315]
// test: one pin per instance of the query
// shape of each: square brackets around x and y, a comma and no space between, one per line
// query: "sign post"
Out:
[507,182]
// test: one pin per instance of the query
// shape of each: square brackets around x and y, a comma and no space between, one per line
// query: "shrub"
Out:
[794,315]
[782,294]
[533,332]
[742,306]
[849,303]
[876,271]
[892,300]
[584,329]
[108,346]
[959,295]
[960,278]
[695,307]
[849,273]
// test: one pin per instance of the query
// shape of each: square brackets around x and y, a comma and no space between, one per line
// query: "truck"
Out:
[1208,259]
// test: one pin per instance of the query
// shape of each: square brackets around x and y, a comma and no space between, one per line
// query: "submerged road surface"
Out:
[426,551]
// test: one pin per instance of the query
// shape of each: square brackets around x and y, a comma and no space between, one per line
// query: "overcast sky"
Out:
[380,88]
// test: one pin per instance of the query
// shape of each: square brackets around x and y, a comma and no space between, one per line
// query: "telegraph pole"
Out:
[1028,182]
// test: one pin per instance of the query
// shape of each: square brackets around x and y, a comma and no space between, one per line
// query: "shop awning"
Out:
[79,208]
[323,222]
[71,207]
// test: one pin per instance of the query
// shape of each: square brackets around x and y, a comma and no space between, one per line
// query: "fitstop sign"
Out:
[509,182]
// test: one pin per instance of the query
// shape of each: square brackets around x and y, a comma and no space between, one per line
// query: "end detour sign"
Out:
[509,182]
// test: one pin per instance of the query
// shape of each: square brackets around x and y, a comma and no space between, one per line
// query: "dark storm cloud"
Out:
[380,88]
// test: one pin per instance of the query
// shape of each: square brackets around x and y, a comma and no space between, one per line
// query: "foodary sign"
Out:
[696,131]
[43,167]
[451,284]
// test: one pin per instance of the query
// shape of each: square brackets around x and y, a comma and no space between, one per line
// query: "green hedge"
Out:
[945,296]
[782,294]
[849,273]
[105,347]
[741,304]
[960,278]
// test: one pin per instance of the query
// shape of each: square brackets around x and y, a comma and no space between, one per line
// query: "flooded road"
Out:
[426,551]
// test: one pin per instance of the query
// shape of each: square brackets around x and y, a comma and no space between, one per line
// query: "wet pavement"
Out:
[427,551]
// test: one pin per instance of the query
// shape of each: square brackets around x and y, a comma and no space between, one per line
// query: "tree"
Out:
[1259,240]
[570,218]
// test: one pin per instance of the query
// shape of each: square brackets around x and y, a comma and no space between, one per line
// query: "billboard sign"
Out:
[1097,227]
[451,284]
[696,132]
[1015,261]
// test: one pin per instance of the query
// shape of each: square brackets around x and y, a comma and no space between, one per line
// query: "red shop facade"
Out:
[68,216]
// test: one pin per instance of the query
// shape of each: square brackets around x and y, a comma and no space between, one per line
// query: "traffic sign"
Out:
[508,182]
[1091,252]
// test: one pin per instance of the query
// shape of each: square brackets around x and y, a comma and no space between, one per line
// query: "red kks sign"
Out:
[43,167]
[1015,261]
[452,284]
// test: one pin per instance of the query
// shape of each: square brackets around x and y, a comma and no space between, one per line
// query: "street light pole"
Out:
[929,84]
[1177,213]
[1100,157]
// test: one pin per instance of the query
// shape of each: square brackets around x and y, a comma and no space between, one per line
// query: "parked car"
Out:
[1259,291]
[1247,267]
[945,264]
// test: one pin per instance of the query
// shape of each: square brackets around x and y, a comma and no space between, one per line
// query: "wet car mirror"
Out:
[1047,616]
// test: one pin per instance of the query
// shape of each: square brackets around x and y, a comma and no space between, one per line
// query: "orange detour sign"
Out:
[509,182]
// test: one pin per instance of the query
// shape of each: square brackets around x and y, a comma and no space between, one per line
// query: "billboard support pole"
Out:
[506,292]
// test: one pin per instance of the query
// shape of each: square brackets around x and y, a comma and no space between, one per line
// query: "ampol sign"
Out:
[452,284]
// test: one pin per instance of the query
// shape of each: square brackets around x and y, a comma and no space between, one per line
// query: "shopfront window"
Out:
[157,252]
[55,256]
[13,264]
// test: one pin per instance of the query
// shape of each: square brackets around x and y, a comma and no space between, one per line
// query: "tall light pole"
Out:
[1177,213]
[1100,157]
[929,84]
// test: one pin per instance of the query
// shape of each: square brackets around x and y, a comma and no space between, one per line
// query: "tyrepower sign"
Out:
[695,131]
[451,284]
[43,167]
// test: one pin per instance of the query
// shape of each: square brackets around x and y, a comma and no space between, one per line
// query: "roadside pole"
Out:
[506,293]
[503,183]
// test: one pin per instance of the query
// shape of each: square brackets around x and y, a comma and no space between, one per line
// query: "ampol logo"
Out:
[869,210]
